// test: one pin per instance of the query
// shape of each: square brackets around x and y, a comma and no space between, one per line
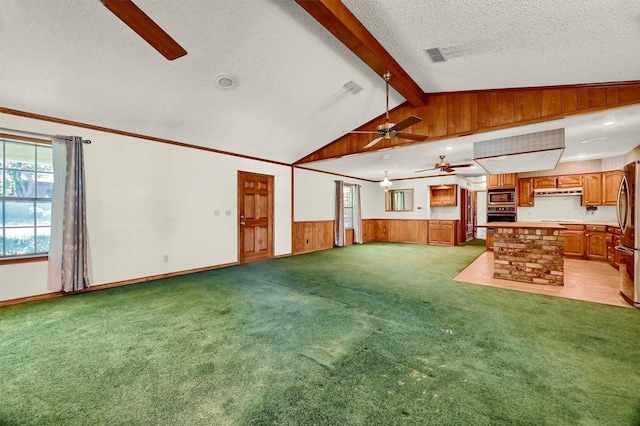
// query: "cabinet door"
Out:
[447,232]
[490,240]
[596,245]
[545,182]
[569,181]
[494,181]
[509,180]
[525,192]
[611,185]
[592,189]
[574,243]
[434,231]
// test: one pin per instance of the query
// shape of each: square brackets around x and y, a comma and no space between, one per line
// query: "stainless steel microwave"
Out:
[501,197]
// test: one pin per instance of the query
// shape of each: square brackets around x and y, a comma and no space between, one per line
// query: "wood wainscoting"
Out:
[312,236]
[396,230]
[318,235]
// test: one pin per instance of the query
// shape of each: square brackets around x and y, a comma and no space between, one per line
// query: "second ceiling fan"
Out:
[389,129]
[444,166]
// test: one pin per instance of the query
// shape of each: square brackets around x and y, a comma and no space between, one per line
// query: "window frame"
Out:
[36,256]
[347,187]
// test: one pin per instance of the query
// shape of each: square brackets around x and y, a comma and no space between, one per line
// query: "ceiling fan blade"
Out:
[426,170]
[139,22]
[372,132]
[373,142]
[412,136]
[406,123]
[447,169]
[456,166]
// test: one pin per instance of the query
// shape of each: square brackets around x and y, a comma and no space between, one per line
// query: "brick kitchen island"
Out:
[531,252]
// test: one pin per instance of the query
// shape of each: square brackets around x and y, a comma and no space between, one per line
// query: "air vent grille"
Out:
[435,55]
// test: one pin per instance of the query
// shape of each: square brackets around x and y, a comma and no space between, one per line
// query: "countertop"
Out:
[536,225]
[542,223]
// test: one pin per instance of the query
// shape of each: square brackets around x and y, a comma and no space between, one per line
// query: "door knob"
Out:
[241,216]
[242,223]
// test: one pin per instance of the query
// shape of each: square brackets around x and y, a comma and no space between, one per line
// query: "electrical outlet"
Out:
[166,257]
[216,212]
[228,212]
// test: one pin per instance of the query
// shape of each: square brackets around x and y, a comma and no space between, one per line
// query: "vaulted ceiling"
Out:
[74,60]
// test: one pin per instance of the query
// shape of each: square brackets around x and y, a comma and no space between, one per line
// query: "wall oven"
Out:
[501,197]
[501,214]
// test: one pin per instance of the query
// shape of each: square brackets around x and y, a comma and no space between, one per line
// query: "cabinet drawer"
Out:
[596,228]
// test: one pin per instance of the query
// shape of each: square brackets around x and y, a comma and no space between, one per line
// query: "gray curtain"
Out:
[357,217]
[69,260]
[338,227]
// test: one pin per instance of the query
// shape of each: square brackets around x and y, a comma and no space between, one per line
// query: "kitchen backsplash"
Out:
[565,208]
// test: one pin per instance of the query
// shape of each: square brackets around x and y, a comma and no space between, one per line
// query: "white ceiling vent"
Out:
[522,153]
[435,54]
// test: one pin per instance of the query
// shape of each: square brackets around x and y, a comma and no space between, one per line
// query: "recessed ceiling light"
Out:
[225,81]
[581,156]
[385,156]
[449,148]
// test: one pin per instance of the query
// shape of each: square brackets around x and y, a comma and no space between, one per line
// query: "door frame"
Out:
[270,218]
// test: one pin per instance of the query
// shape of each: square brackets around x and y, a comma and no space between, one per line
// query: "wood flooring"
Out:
[591,281]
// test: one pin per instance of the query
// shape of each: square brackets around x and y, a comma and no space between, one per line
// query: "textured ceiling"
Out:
[74,60]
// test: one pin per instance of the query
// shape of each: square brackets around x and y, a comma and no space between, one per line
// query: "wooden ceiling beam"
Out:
[339,21]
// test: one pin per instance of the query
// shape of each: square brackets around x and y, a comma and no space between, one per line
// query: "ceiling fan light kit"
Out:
[387,130]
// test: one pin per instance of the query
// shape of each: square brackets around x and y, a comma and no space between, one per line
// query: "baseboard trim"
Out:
[113,284]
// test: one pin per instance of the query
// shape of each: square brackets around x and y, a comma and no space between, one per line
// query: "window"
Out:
[26,188]
[348,206]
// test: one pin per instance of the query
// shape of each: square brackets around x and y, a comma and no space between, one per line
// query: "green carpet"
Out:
[376,334]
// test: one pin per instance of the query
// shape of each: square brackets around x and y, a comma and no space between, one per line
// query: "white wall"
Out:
[565,208]
[147,200]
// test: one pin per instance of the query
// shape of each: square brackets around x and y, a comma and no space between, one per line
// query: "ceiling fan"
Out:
[444,167]
[151,32]
[388,129]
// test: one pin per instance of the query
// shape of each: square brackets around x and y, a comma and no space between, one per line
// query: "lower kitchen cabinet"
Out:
[442,232]
[613,240]
[596,238]
[574,241]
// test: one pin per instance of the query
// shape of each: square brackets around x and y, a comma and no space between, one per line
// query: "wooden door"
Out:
[467,214]
[255,217]
[611,184]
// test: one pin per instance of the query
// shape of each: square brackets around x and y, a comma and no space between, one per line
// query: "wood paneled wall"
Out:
[396,230]
[312,236]
[447,115]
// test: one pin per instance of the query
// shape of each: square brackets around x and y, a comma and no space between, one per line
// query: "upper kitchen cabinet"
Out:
[525,192]
[611,184]
[601,189]
[592,189]
[507,180]
[545,182]
[443,195]
[569,181]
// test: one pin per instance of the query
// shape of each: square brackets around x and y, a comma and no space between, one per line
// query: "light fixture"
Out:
[521,153]
[386,183]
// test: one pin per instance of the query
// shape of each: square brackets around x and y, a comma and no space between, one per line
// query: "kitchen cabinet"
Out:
[569,181]
[443,195]
[574,240]
[596,241]
[507,180]
[525,192]
[611,184]
[442,232]
[613,240]
[592,189]
[490,239]
[545,182]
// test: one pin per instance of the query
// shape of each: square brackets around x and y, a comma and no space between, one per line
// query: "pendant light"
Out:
[386,183]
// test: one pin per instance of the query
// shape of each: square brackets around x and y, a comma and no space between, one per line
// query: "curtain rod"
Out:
[42,135]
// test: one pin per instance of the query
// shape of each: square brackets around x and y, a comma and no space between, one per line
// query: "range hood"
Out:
[555,192]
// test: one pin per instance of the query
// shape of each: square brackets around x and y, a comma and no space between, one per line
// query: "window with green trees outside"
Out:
[26,188]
